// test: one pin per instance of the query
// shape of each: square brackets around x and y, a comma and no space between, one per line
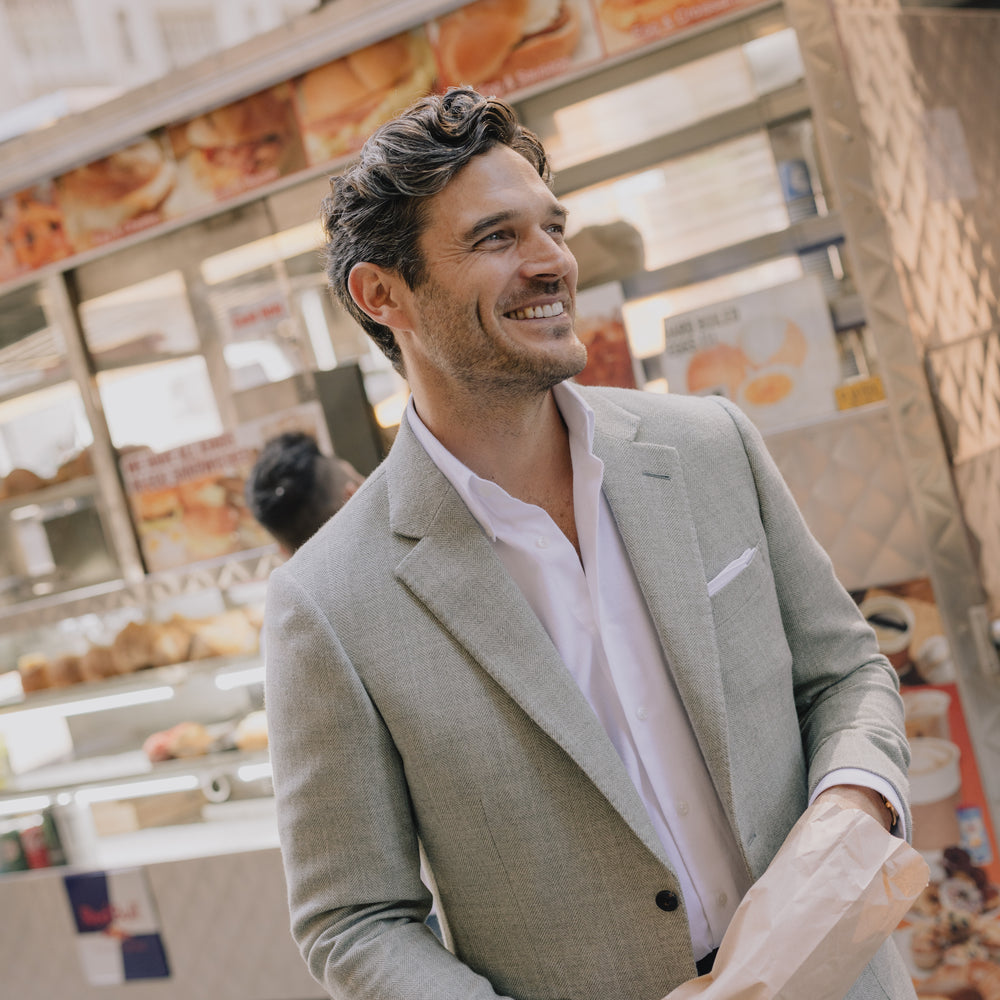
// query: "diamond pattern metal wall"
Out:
[894,96]
[847,477]
[965,380]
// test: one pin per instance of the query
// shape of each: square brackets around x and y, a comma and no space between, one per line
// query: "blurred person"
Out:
[294,489]
[574,647]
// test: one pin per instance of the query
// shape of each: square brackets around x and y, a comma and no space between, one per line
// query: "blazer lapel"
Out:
[454,571]
[644,486]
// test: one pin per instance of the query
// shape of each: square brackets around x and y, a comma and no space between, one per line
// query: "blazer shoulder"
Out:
[669,417]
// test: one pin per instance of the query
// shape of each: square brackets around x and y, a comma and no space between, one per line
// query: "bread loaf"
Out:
[229,634]
[34,671]
[65,670]
[97,663]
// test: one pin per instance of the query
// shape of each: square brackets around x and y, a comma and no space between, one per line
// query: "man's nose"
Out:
[547,255]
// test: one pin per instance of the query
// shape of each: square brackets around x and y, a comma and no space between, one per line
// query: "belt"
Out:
[704,965]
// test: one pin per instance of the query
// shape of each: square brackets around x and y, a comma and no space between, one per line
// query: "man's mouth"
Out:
[537,312]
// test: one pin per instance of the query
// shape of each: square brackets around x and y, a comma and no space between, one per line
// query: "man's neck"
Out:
[522,446]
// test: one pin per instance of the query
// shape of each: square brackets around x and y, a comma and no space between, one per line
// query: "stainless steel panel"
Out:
[848,479]
[912,186]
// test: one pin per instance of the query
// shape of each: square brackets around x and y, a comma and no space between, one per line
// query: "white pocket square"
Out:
[731,571]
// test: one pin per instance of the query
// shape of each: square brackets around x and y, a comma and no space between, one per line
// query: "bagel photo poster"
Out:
[32,231]
[187,502]
[950,939]
[773,353]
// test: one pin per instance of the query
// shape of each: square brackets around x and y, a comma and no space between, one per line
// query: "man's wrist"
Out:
[863,798]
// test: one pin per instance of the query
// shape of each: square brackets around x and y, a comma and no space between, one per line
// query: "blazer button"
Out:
[667,900]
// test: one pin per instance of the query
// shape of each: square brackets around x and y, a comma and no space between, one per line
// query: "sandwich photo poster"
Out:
[628,24]
[340,103]
[237,147]
[124,192]
[187,502]
[500,46]
[772,352]
[950,939]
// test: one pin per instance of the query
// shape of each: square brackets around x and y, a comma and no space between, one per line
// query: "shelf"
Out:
[251,566]
[73,700]
[51,494]
[118,771]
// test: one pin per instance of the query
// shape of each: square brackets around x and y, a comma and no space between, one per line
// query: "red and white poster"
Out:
[187,502]
[950,939]
[600,325]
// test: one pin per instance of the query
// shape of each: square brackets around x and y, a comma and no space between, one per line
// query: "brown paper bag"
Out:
[833,894]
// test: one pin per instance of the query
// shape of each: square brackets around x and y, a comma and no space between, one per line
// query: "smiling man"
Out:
[570,658]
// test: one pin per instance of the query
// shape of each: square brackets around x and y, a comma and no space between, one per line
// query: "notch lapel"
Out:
[455,573]
[645,488]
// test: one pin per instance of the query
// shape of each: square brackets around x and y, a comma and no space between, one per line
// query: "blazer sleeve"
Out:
[846,692]
[347,835]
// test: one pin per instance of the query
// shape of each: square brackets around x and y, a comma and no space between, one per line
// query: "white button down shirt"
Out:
[598,621]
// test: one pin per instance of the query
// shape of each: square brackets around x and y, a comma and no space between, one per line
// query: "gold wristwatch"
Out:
[893,815]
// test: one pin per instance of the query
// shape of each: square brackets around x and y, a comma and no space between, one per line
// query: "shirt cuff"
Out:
[857,776]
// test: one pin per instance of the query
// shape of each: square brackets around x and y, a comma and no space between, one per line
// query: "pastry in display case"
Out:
[119,725]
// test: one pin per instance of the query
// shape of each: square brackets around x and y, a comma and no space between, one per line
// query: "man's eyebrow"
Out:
[486,223]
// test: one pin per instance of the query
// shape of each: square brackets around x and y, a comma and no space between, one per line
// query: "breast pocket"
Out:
[737,583]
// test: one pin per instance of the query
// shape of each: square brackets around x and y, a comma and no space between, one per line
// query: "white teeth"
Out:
[538,312]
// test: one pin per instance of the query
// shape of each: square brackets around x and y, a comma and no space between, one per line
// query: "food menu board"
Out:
[187,502]
[772,352]
[950,939]
[324,115]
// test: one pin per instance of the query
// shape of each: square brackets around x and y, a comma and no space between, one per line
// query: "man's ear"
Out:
[380,293]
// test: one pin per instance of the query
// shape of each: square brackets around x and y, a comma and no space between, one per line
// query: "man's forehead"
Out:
[493,187]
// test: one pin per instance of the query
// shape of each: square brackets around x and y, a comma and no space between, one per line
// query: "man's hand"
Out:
[858,797]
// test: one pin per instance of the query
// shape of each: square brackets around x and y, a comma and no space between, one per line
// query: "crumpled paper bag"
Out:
[835,891]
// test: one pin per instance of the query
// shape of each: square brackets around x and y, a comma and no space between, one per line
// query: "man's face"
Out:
[496,308]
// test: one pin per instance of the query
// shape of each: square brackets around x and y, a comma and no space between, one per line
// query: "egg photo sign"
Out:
[773,353]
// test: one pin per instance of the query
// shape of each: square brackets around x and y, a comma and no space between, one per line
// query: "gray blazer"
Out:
[416,702]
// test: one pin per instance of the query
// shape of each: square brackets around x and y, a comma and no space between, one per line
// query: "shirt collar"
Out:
[489,503]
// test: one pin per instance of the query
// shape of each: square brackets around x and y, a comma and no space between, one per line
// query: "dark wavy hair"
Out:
[375,212]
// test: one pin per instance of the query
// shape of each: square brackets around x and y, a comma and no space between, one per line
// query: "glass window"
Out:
[691,205]
[160,405]
[669,101]
[41,431]
[32,352]
[132,324]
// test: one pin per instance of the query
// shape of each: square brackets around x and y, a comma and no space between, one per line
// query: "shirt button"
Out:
[683,808]
[667,900]
[542,543]
[721,899]
[641,713]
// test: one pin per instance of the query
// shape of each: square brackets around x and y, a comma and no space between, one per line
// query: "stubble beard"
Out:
[480,361]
